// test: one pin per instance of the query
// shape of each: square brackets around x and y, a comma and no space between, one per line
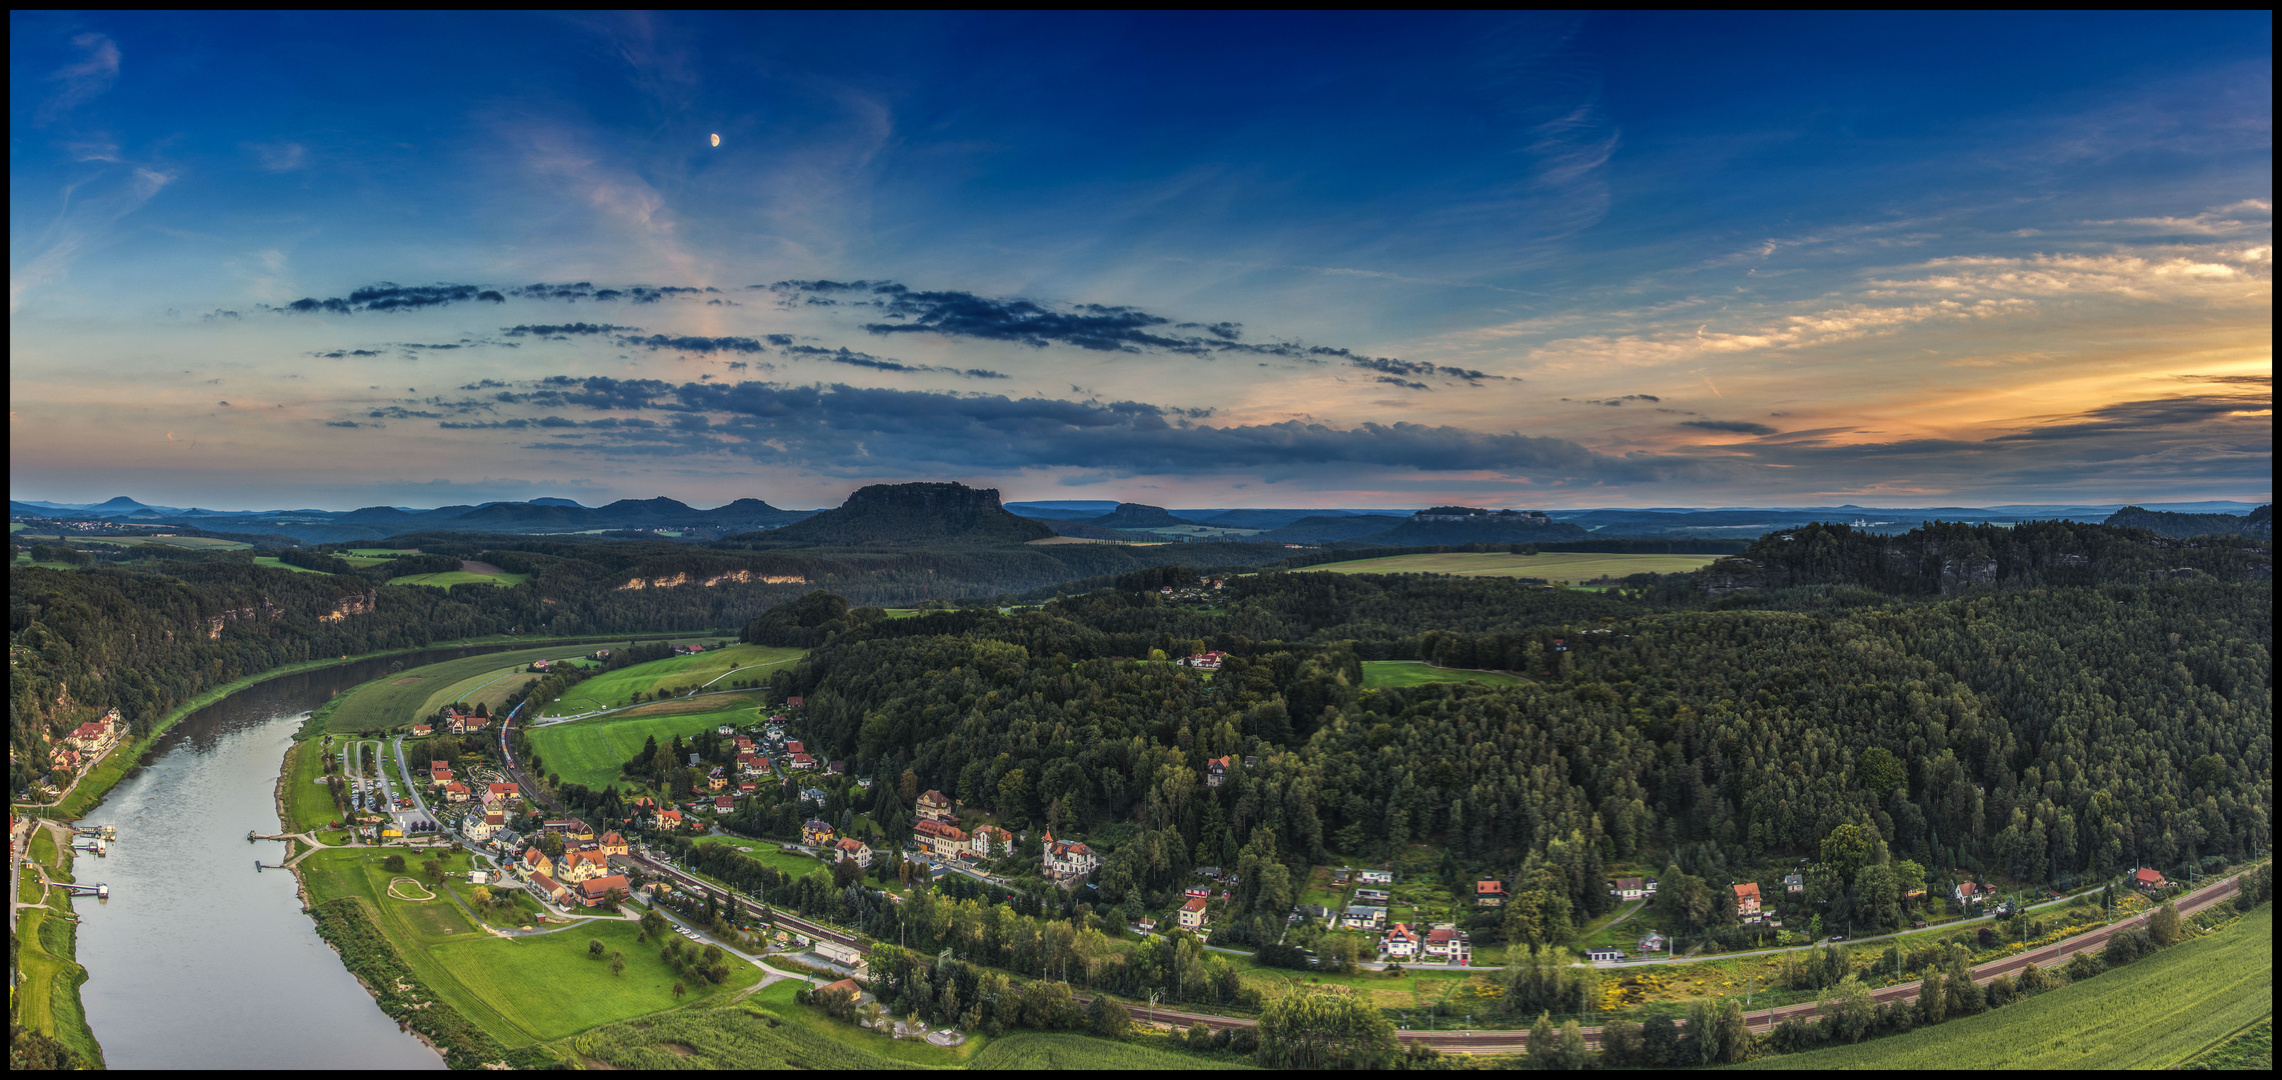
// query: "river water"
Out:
[198,961]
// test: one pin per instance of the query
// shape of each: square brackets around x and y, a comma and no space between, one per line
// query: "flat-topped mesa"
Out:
[911,513]
[925,498]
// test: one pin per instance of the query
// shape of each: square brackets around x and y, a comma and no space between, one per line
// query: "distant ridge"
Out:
[2258,523]
[1137,516]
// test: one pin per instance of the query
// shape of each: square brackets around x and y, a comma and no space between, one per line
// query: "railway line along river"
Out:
[198,960]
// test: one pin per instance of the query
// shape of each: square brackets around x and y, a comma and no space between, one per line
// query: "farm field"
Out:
[1570,567]
[394,701]
[1378,673]
[1082,1053]
[449,578]
[196,543]
[730,1038]
[591,752]
[2251,1050]
[491,688]
[674,672]
[275,563]
[2153,1014]
[489,978]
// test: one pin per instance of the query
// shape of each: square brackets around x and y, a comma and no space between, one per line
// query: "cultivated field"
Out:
[2153,1014]
[674,673]
[394,701]
[1082,1053]
[591,752]
[449,578]
[275,563]
[1567,567]
[1378,673]
[734,1038]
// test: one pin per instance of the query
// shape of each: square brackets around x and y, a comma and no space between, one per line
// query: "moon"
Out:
[717,140]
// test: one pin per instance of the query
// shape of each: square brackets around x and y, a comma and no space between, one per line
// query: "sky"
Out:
[268,260]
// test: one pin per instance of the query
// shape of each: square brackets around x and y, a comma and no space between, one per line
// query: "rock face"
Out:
[911,513]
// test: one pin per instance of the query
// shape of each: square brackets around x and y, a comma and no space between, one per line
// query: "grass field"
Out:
[396,700]
[1378,673]
[274,563]
[1076,1053]
[776,1001]
[2249,1050]
[449,578]
[591,752]
[769,854]
[308,804]
[674,672]
[523,990]
[1559,566]
[730,1038]
[46,997]
[2153,1014]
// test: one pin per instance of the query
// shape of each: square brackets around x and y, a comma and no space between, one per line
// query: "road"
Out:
[419,809]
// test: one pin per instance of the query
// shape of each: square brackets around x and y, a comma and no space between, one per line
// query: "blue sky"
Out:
[1543,260]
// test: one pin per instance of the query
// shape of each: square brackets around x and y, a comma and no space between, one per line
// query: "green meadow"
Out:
[592,751]
[523,990]
[1378,673]
[674,673]
[449,578]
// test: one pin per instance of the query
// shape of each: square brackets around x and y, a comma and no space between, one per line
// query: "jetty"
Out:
[100,892]
[252,836]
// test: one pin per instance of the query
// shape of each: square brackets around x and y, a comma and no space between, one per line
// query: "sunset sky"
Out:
[331,260]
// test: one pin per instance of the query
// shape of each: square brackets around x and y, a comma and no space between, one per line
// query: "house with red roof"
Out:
[1747,899]
[932,806]
[942,839]
[1192,913]
[1449,945]
[536,862]
[456,791]
[1400,943]
[2148,879]
[854,850]
[593,891]
[613,844]
[1068,859]
[550,890]
[1489,894]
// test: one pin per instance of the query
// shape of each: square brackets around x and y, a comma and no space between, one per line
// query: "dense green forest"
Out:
[152,627]
[2102,701]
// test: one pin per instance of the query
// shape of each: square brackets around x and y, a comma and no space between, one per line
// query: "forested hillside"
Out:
[2043,732]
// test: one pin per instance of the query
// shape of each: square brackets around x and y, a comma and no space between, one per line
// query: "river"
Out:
[198,961]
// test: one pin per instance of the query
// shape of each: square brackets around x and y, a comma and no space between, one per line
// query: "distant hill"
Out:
[1470,525]
[1318,530]
[1137,516]
[1081,529]
[913,514]
[2258,523]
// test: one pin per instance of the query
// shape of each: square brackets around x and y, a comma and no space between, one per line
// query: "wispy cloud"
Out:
[81,82]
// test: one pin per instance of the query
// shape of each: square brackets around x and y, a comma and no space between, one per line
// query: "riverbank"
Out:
[93,787]
[46,999]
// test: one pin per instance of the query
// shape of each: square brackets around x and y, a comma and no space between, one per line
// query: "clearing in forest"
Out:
[591,752]
[1378,673]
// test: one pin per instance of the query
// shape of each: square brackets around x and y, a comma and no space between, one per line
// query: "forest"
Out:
[2102,701]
